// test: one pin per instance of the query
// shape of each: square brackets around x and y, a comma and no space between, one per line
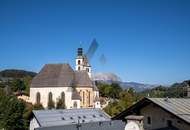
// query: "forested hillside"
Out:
[16,80]
[120,99]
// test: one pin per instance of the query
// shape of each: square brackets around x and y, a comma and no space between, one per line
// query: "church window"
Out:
[50,97]
[38,98]
[78,62]
[63,97]
[78,68]
[83,96]
[89,98]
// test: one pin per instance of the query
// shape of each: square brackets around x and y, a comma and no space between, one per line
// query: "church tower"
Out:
[82,63]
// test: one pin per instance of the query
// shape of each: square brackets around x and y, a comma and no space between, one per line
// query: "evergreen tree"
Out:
[60,104]
[51,104]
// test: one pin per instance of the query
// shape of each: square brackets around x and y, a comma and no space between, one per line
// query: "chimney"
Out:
[135,119]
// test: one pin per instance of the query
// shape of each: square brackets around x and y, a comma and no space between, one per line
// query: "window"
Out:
[89,97]
[78,68]
[87,69]
[38,97]
[50,97]
[63,97]
[75,104]
[149,120]
[83,96]
[78,62]
[169,123]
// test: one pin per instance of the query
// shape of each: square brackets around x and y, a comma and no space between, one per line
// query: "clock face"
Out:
[132,126]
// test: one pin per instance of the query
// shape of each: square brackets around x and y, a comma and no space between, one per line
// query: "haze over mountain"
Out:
[111,77]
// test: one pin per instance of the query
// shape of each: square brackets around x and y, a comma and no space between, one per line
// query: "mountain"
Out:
[106,77]
[15,73]
[109,78]
[137,86]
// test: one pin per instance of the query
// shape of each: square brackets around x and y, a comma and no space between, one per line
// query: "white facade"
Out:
[56,94]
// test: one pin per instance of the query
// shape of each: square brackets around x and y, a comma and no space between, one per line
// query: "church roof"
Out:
[60,75]
[82,79]
[76,96]
[96,88]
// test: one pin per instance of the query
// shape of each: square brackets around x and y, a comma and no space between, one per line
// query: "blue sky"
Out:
[144,41]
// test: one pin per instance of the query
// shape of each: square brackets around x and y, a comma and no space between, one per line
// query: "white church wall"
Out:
[56,93]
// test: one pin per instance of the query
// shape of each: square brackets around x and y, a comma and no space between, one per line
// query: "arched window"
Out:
[75,104]
[78,68]
[78,62]
[83,96]
[38,98]
[89,97]
[50,97]
[63,97]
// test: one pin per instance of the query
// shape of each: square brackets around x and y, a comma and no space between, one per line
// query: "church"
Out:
[60,82]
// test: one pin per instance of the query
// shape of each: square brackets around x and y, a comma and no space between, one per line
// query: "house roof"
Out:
[179,107]
[46,118]
[60,75]
[104,125]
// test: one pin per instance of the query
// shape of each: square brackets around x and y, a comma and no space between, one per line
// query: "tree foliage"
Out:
[11,112]
[60,104]
[107,90]
[177,90]
[51,104]
[38,107]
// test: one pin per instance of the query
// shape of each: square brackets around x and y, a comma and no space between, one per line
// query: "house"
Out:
[73,119]
[161,113]
[60,82]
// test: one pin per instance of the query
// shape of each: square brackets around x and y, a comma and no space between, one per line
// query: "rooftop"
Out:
[179,107]
[47,118]
[61,75]
[105,125]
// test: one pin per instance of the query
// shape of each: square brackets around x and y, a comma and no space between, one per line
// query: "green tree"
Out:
[51,104]
[38,107]
[60,104]
[11,112]
[17,85]
[27,81]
